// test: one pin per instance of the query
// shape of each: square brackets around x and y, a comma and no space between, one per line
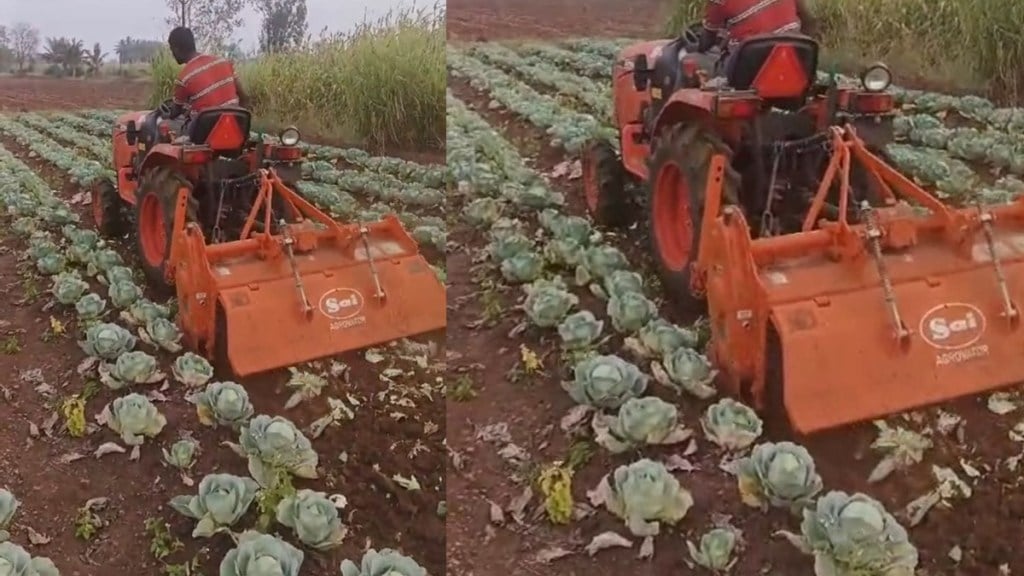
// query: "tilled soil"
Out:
[983,527]
[398,429]
[25,93]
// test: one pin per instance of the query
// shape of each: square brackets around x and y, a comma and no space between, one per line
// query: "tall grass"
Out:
[965,44]
[382,85]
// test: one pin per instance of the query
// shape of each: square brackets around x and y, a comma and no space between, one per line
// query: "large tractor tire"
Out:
[154,224]
[680,168]
[107,213]
[604,186]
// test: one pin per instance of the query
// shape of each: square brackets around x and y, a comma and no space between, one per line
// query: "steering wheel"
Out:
[691,36]
[164,109]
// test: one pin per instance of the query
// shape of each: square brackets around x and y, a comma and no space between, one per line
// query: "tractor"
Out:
[263,278]
[837,290]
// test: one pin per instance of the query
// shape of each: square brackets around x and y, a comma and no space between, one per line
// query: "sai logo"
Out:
[952,326]
[341,303]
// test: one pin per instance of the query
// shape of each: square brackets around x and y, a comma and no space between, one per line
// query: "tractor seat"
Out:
[200,127]
[751,55]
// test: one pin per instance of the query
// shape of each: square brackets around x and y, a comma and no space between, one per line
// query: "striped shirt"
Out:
[206,82]
[741,19]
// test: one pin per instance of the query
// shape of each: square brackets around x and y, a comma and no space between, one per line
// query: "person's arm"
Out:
[178,101]
[714,22]
[808,23]
[243,97]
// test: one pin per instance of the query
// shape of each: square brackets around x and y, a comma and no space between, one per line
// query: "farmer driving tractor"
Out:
[737,20]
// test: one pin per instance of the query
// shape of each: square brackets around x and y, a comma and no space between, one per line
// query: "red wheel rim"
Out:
[673,223]
[97,205]
[590,192]
[152,230]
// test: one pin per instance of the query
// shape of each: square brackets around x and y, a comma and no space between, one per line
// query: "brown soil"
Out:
[399,429]
[19,94]
[476,20]
[485,356]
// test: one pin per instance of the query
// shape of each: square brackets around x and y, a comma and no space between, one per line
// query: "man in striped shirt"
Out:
[737,20]
[205,81]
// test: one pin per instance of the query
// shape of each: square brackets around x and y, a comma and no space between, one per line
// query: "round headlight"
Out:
[876,78]
[290,136]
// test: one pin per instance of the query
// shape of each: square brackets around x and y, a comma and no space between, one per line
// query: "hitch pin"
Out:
[874,239]
[1009,310]
[364,234]
[307,308]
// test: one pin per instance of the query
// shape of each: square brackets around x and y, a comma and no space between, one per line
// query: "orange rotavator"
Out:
[837,289]
[263,278]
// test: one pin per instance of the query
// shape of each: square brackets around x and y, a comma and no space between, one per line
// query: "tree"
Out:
[68,53]
[94,60]
[212,21]
[284,24]
[24,43]
[133,50]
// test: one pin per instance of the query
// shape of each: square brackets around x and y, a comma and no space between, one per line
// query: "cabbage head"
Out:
[123,293]
[621,282]
[782,475]
[630,311]
[386,562]
[507,244]
[599,262]
[482,211]
[523,267]
[547,306]
[275,443]
[731,424]
[192,369]
[660,338]
[222,500]
[135,367]
[16,561]
[715,551]
[68,287]
[850,535]
[134,417]
[580,330]
[644,494]
[605,382]
[162,333]
[90,307]
[182,454]
[313,517]
[691,371]
[224,404]
[143,311]
[8,506]
[639,422]
[262,555]
[107,341]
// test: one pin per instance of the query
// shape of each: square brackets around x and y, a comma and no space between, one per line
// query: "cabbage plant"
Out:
[162,333]
[630,311]
[107,341]
[599,262]
[306,385]
[224,404]
[644,494]
[262,555]
[8,507]
[16,561]
[605,382]
[851,535]
[659,338]
[546,306]
[90,307]
[731,424]
[144,311]
[135,367]
[134,417]
[715,550]
[222,500]
[182,454]
[640,421]
[313,517]
[691,371]
[123,293]
[275,443]
[782,475]
[580,330]
[619,283]
[191,369]
[385,562]
[68,287]
[523,267]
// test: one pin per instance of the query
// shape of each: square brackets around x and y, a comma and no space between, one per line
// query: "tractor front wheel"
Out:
[154,224]
[604,181]
[106,208]
[680,168]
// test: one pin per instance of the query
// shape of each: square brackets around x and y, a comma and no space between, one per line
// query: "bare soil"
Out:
[20,94]
[482,359]
[398,429]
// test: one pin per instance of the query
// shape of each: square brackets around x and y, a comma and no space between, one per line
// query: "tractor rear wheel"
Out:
[680,168]
[604,182]
[154,223]
[106,208]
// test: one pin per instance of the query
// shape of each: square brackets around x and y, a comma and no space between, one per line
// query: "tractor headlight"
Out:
[290,136]
[876,78]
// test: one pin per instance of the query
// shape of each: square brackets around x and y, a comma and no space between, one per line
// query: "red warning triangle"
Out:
[782,75]
[226,134]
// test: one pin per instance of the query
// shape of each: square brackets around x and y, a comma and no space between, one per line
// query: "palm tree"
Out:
[94,59]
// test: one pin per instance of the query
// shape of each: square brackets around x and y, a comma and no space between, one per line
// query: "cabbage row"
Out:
[581,62]
[568,129]
[81,171]
[596,97]
[118,329]
[567,254]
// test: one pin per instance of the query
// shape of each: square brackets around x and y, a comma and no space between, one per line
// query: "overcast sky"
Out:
[107,21]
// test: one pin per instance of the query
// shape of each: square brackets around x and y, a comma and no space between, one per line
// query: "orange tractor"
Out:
[837,289]
[263,278]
